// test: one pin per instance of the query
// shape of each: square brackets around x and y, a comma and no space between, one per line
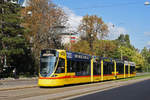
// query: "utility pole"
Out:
[121,54]
[91,42]
[121,57]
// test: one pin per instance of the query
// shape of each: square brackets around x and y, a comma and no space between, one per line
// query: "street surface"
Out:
[27,89]
[137,91]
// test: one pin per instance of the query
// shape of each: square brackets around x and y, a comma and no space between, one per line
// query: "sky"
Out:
[127,16]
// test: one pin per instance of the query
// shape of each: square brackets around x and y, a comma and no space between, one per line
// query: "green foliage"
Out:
[138,59]
[10,31]
[105,48]
[12,42]
[146,55]
[124,40]
[127,53]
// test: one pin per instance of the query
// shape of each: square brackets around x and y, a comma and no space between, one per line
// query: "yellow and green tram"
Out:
[61,67]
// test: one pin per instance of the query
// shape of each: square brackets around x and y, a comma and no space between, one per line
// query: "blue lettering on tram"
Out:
[77,56]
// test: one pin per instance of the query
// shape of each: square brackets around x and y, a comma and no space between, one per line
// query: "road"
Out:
[137,91]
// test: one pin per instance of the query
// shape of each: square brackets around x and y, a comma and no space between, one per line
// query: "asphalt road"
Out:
[137,91]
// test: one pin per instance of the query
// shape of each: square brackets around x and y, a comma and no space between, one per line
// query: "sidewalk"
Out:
[12,84]
[19,79]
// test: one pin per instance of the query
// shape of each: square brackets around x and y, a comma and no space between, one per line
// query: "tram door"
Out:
[126,70]
[97,69]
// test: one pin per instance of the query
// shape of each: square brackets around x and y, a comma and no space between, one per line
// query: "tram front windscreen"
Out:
[47,65]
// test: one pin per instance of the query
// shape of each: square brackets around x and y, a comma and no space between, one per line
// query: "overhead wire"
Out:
[107,5]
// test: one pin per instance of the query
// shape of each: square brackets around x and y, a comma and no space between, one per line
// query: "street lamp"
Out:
[120,53]
[91,42]
[147,3]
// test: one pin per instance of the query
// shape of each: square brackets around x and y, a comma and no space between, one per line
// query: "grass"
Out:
[136,77]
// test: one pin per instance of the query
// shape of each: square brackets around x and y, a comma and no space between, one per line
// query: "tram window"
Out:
[70,66]
[88,68]
[61,66]
[132,69]
[73,65]
[105,68]
[126,69]
[110,67]
[78,69]
[96,68]
[120,68]
[82,68]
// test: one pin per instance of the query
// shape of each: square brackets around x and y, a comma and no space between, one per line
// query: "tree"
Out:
[12,42]
[146,55]
[124,40]
[127,53]
[41,19]
[92,27]
[139,60]
[106,48]
[80,46]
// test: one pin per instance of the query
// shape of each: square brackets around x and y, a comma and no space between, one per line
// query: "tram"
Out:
[61,67]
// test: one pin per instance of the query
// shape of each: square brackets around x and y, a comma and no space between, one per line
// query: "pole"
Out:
[70,42]
[147,68]
[91,42]
[121,54]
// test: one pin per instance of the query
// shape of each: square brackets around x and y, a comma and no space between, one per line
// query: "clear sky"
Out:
[129,16]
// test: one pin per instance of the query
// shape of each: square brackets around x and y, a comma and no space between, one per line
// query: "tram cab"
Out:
[52,68]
